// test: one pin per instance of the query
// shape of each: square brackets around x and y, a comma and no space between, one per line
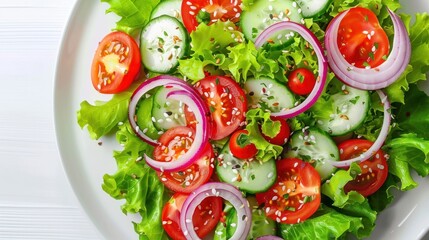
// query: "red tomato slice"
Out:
[222,10]
[116,63]
[374,170]
[361,39]
[301,81]
[296,194]
[175,142]
[240,146]
[282,137]
[227,103]
[204,219]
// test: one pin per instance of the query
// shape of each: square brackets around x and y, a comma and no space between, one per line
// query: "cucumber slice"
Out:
[144,120]
[269,94]
[263,14]
[163,42]
[261,225]
[315,146]
[167,113]
[313,8]
[170,8]
[348,111]
[249,176]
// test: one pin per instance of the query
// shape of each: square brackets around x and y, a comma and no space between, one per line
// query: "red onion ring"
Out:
[321,58]
[269,237]
[378,142]
[216,189]
[373,78]
[184,92]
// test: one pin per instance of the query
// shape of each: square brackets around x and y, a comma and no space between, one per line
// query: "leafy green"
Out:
[137,183]
[352,203]
[408,152]
[419,62]
[135,14]
[326,223]
[258,119]
[102,117]
[221,45]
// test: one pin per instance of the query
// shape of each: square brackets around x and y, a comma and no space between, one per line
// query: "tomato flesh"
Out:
[296,194]
[240,147]
[227,103]
[116,63]
[282,137]
[374,170]
[205,218]
[173,143]
[361,39]
[222,10]
[301,81]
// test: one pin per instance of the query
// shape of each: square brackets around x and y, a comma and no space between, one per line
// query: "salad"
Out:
[251,119]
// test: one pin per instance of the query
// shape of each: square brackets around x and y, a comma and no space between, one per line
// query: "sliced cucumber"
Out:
[313,8]
[143,118]
[170,8]
[261,225]
[269,94]
[163,41]
[348,111]
[315,146]
[249,176]
[167,113]
[263,14]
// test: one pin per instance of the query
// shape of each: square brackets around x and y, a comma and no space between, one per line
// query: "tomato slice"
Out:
[216,10]
[361,39]
[227,103]
[282,137]
[173,143]
[205,218]
[116,63]
[301,81]
[296,194]
[240,146]
[374,170]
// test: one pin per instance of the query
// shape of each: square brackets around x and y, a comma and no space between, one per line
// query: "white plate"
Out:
[85,161]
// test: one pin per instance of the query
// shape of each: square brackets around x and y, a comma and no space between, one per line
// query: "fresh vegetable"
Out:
[116,63]
[296,194]
[204,218]
[173,144]
[367,77]
[283,134]
[316,147]
[163,42]
[225,191]
[301,81]
[188,96]
[231,84]
[373,171]
[227,104]
[209,11]
[322,62]
[240,146]
[250,176]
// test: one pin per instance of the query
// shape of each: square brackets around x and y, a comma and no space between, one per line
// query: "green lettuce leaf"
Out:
[408,152]
[137,184]
[258,118]
[351,204]
[135,14]
[326,223]
[102,117]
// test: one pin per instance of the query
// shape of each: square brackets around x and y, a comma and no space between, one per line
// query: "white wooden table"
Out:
[36,200]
